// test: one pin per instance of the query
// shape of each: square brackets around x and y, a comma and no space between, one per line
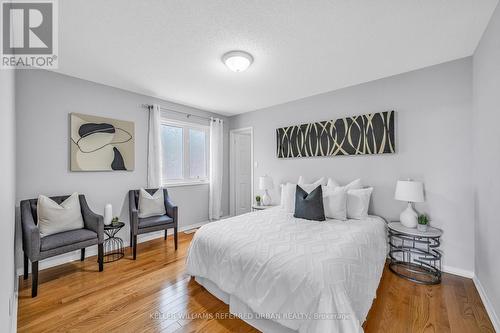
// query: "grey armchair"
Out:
[153,223]
[36,248]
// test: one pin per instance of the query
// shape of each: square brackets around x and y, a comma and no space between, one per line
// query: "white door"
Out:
[242,173]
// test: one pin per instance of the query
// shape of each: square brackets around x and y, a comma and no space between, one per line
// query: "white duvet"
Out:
[308,276]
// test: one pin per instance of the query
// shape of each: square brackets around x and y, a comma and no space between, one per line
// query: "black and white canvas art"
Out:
[358,135]
[101,144]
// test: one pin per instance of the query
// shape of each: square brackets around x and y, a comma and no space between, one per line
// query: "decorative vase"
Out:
[108,214]
[258,203]
[266,199]
[408,217]
[422,227]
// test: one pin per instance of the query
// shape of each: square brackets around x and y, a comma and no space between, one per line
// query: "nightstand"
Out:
[113,245]
[261,207]
[414,254]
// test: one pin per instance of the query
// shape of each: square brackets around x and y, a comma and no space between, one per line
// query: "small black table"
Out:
[113,246]
[414,254]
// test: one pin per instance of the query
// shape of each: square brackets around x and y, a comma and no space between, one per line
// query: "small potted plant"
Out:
[423,222]
[115,220]
[257,199]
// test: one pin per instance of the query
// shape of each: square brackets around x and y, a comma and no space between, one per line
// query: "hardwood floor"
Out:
[141,296]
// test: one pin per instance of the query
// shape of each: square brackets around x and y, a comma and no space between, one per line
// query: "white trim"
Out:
[165,120]
[231,165]
[482,293]
[186,183]
[14,305]
[186,126]
[487,303]
[92,251]
[458,271]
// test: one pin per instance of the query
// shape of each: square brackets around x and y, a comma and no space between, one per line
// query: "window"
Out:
[185,153]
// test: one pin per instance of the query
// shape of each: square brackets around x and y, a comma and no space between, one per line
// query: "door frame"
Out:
[232,133]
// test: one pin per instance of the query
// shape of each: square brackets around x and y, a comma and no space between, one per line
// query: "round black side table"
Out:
[113,246]
[414,254]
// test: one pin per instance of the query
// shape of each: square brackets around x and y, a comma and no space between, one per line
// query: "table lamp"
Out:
[409,191]
[266,183]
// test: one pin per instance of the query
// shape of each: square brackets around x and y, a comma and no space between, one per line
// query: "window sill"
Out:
[179,184]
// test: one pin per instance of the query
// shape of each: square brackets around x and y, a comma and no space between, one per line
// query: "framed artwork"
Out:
[358,135]
[101,144]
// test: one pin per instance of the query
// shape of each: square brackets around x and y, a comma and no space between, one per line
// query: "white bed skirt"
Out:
[241,310]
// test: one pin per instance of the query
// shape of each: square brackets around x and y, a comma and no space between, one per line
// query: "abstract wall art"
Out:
[101,144]
[358,135]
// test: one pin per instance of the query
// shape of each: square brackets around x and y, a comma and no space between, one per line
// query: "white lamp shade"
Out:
[265,183]
[410,191]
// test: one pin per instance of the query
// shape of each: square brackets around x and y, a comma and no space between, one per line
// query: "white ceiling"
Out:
[172,49]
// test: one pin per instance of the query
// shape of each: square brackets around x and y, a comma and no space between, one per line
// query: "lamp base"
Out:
[266,199]
[408,217]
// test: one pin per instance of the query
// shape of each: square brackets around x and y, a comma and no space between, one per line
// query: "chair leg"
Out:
[25,275]
[175,238]
[135,246]
[165,238]
[34,278]
[82,257]
[100,255]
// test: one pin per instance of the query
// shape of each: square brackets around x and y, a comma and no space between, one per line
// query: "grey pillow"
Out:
[309,206]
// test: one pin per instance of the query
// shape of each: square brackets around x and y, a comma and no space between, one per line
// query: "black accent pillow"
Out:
[309,206]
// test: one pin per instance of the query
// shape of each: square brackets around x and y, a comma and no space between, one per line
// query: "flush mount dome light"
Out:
[237,61]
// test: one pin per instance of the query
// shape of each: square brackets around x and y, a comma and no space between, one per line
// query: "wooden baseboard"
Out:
[14,305]
[458,271]
[487,303]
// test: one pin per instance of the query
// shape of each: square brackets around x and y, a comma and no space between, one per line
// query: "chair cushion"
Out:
[54,218]
[154,221]
[151,204]
[66,238]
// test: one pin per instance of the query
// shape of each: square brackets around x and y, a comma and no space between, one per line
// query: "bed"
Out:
[284,274]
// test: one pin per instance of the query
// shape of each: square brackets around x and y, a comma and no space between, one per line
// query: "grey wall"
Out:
[486,86]
[44,100]
[434,145]
[7,198]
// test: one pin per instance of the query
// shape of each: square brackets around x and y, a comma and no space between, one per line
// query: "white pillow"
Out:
[282,198]
[288,197]
[322,181]
[54,218]
[335,202]
[281,195]
[332,183]
[358,202]
[354,185]
[334,199]
[151,205]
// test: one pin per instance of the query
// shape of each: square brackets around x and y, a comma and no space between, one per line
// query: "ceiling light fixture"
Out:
[237,61]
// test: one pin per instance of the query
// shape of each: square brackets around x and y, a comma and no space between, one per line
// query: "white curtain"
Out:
[216,166]
[154,148]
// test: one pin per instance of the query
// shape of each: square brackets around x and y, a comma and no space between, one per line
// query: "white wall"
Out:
[434,145]
[7,200]
[44,100]
[486,85]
